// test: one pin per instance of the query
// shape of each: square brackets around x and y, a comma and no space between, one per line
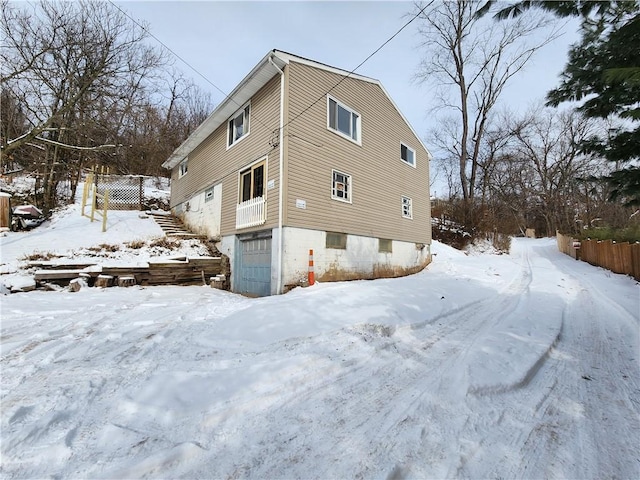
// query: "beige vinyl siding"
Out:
[211,162]
[379,177]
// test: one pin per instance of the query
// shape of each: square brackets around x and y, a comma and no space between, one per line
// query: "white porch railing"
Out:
[251,213]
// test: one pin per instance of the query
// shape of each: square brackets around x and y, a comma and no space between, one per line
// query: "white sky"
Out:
[225,40]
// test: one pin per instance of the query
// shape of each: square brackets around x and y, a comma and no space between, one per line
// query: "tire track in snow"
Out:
[408,374]
[579,416]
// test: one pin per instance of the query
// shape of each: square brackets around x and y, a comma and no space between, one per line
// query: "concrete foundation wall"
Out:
[201,216]
[360,260]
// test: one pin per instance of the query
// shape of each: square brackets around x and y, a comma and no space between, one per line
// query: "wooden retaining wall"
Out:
[174,271]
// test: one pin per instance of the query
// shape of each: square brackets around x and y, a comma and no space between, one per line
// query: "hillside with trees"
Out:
[569,166]
[82,85]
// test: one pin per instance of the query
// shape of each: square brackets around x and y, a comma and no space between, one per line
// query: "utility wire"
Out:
[226,95]
[344,77]
[354,70]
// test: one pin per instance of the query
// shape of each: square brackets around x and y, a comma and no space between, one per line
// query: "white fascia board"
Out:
[288,57]
[405,120]
[247,88]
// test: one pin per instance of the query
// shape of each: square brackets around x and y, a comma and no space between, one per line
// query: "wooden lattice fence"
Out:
[126,192]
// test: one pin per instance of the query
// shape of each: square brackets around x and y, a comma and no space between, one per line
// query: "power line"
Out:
[353,71]
[167,47]
[226,95]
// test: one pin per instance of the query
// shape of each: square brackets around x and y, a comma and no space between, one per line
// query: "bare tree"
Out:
[541,174]
[70,65]
[469,60]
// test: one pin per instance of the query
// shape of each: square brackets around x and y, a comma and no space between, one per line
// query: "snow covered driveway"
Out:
[519,366]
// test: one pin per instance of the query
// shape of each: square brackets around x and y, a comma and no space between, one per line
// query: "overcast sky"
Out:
[225,40]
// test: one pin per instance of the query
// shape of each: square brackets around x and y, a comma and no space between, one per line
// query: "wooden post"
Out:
[141,191]
[93,204]
[88,187]
[104,212]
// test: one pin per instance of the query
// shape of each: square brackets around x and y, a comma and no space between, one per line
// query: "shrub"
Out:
[629,234]
[38,256]
[136,244]
[501,242]
[165,242]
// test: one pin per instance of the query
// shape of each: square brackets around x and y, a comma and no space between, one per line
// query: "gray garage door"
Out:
[253,267]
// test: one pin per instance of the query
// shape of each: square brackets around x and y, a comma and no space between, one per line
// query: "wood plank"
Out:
[58,274]
[50,265]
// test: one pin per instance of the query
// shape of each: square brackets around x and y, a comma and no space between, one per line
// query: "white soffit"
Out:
[247,88]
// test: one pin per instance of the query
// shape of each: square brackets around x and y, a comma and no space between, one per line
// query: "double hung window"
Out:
[342,120]
[239,125]
[252,182]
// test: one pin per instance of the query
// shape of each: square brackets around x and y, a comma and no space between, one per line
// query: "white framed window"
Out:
[252,181]
[183,168]
[407,207]
[238,125]
[408,154]
[341,186]
[343,120]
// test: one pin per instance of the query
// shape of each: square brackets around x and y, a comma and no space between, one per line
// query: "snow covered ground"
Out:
[484,366]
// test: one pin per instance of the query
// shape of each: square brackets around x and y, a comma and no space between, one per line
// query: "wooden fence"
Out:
[617,257]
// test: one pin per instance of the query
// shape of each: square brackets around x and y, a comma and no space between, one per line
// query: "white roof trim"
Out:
[405,120]
[248,87]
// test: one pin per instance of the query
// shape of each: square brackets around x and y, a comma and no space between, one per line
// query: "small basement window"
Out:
[336,240]
[385,245]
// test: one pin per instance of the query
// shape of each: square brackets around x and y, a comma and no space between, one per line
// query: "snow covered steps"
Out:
[172,226]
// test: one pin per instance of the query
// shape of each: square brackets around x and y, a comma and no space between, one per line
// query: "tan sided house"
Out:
[304,156]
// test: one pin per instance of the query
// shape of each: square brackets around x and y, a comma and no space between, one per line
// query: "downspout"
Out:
[281,178]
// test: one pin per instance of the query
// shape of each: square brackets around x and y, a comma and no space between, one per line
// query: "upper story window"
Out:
[408,154]
[252,182]
[239,125]
[341,186]
[342,120]
[183,167]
